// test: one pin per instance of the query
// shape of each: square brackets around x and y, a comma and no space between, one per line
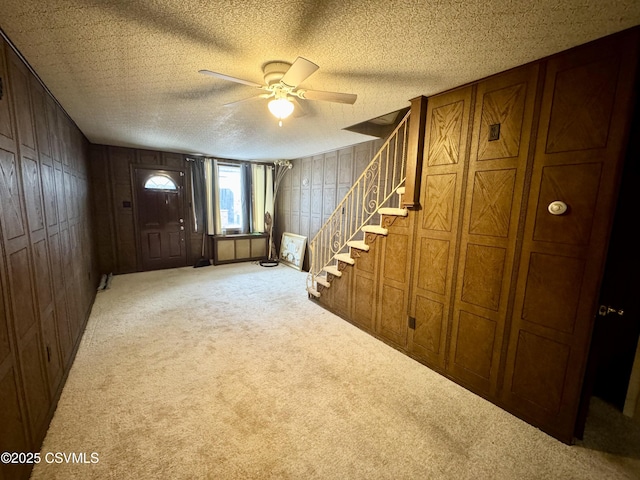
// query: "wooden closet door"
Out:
[20,215]
[37,181]
[580,147]
[437,224]
[14,426]
[498,163]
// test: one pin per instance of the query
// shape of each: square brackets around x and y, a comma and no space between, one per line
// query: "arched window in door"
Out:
[160,182]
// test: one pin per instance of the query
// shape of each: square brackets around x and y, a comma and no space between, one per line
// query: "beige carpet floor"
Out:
[230,372]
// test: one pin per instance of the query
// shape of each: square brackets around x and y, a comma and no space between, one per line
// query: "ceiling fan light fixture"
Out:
[281,108]
[282,80]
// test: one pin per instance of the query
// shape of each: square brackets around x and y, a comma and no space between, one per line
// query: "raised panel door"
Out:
[584,120]
[436,230]
[498,165]
[394,279]
[160,218]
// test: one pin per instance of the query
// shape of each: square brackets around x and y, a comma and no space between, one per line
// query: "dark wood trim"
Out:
[415,154]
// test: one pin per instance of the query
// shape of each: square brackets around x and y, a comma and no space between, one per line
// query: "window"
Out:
[160,182]
[230,189]
[229,196]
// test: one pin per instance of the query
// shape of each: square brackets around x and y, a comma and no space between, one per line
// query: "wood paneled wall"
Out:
[114,204]
[312,189]
[48,277]
[578,156]
[482,283]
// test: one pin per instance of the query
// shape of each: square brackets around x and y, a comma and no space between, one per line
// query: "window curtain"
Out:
[198,194]
[258,190]
[268,197]
[212,194]
[270,207]
[246,226]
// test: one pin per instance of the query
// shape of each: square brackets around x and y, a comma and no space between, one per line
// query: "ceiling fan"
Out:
[281,85]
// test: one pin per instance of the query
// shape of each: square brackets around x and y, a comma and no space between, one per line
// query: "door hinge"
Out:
[182,174]
[412,323]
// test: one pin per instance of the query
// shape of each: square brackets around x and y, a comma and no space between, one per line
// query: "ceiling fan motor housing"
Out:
[274,71]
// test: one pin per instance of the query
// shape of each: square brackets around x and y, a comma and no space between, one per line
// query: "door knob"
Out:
[557,208]
[605,310]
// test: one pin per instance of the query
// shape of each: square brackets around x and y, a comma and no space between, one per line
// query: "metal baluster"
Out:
[342,227]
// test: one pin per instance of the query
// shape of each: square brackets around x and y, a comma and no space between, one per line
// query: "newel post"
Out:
[415,152]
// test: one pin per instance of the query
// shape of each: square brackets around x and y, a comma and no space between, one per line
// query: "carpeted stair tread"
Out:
[333,270]
[375,229]
[345,257]
[313,292]
[398,212]
[360,245]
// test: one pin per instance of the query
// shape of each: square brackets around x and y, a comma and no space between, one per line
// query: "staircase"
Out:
[361,210]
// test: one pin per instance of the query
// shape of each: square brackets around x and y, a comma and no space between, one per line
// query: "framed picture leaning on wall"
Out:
[292,249]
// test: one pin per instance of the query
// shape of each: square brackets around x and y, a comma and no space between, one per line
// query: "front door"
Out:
[160,218]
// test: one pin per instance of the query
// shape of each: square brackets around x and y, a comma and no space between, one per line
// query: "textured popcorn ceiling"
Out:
[127,71]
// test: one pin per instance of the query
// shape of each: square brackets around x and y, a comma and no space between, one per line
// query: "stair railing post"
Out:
[415,152]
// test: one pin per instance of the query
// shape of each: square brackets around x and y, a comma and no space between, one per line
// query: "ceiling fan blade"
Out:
[300,110]
[229,78]
[348,98]
[250,99]
[298,72]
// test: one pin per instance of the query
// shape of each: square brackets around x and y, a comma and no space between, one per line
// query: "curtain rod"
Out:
[228,160]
